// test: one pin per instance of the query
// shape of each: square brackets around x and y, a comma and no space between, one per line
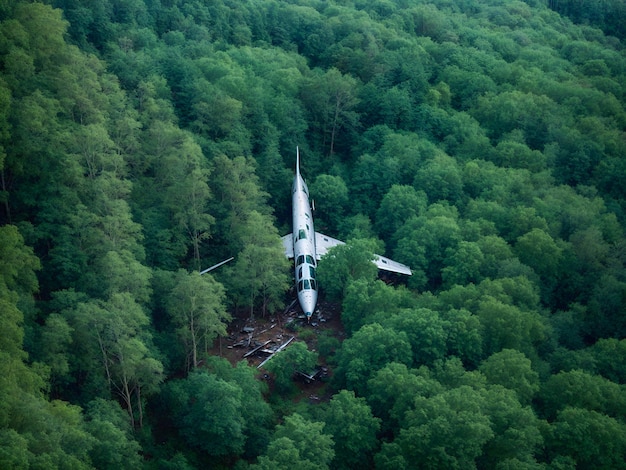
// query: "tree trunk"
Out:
[105,359]
[7,209]
[127,397]
[194,346]
[334,128]
[139,406]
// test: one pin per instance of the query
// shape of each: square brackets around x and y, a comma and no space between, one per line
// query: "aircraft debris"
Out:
[272,354]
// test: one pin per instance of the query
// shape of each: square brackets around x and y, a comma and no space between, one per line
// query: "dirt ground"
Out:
[244,333]
[268,334]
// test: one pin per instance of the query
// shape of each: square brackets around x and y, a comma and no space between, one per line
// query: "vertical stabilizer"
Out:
[297,161]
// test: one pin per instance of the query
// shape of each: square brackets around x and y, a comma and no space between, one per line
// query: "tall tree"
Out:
[399,205]
[367,300]
[368,350]
[508,327]
[207,412]
[423,243]
[298,442]
[296,357]
[426,332]
[114,334]
[447,430]
[345,263]
[330,98]
[392,391]
[516,429]
[260,272]
[592,439]
[237,192]
[115,445]
[187,192]
[196,308]
[331,193]
[350,422]
[512,370]
[256,411]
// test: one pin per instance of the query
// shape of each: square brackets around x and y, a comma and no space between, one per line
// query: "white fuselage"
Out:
[303,246]
[306,246]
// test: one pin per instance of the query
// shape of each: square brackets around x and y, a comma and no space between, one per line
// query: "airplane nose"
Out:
[308,299]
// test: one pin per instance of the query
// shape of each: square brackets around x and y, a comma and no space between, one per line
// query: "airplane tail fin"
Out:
[298,161]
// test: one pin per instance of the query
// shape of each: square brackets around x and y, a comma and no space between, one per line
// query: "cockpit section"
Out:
[305,273]
[306,259]
[307,284]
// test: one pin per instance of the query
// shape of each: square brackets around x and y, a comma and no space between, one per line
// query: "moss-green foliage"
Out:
[283,366]
[481,143]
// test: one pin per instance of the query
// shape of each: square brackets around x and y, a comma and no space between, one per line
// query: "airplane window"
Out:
[300,273]
[300,260]
[307,285]
[313,284]
[311,272]
[301,235]
[310,260]
[299,286]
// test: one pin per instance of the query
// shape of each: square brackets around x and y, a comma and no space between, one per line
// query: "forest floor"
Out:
[270,333]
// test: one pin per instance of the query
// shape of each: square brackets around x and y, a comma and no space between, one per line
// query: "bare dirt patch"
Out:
[267,334]
[254,339]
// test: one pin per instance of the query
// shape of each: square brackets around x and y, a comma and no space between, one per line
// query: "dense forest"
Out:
[481,142]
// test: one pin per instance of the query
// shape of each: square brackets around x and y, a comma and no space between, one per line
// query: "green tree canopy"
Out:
[579,389]
[331,196]
[298,442]
[259,275]
[449,429]
[296,357]
[371,348]
[207,412]
[344,263]
[196,307]
[350,422]
[392,391]
[512,370]
[590,438]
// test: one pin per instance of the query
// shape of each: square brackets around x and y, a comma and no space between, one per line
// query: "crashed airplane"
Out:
[307,246]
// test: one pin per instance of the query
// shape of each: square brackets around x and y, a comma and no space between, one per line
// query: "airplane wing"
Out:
[387,264]
[324,243]
[288,245]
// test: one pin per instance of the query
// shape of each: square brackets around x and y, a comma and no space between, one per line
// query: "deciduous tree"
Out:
[197,310]
[371,348]
[259,276]
[295,357]
[592,439]
[344,263]
[298,442]
[350,422]
[330,98]
[447,430]
[208,413]
[512,370]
